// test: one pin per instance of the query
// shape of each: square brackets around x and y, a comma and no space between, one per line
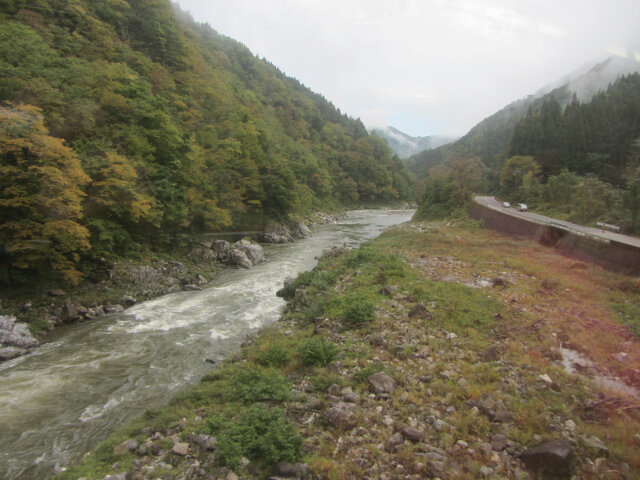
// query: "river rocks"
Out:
[279,233]
[253,251]
[300,230]
[221,247]
[276,233]
[381,383]
[15,338]
[244,254]
[552,458]
[9,353]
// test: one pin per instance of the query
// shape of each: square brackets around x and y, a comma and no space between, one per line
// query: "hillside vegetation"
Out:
[578,160]
[124,124]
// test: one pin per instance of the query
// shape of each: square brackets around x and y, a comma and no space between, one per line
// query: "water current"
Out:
[88,379]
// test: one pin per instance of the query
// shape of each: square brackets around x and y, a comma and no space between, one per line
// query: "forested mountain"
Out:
[579,161]
[125,123]
[489,140]
[405,145]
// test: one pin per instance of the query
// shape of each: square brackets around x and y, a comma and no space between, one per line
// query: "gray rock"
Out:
[56,292]
[8,353]
[292,470]
[339,415]
[300,230]
[181,448]
[413,434]
[498,442]
[276,233]
[595,443]
[221,247]
[486,471]
[192,288]
[253,251]
[392,441]
[70,311]
[382,383]
[204,441]
[14,334]
[110,308]
[419,311]
[129,301]
[435,457]
[349,395]
[125,447]
[553,458]
[491,354]
[239,258]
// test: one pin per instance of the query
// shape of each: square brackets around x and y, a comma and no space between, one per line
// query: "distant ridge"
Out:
[405,145]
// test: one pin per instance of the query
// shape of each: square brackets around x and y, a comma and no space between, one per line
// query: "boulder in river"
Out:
[276,233]
[300,230]
[14,334]
[254,252]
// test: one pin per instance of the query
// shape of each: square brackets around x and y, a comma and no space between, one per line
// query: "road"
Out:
[494,204]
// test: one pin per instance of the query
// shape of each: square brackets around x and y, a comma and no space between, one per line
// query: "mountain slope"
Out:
[176,129]
[405,145]
[489,139]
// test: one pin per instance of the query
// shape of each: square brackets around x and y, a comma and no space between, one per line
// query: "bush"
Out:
[318,351]
[260,434]
[275,356]
[251,384]
[357,311]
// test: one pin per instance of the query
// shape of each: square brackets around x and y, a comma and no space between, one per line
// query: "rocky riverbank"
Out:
[125,283]
[433,352]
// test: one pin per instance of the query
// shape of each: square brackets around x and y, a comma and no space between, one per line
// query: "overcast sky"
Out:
[426,66]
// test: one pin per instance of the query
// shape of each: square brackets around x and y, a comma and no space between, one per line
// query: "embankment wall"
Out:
[609,254]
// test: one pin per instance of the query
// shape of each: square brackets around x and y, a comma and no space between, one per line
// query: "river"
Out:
[89,379]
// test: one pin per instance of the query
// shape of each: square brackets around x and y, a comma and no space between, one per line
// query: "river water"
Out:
[89,379]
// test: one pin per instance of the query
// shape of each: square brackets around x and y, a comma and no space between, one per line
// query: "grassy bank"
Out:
[464,326]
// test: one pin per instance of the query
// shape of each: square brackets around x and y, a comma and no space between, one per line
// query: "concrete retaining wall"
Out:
[608,254]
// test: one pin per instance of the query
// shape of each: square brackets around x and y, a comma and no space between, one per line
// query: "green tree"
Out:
[513,173]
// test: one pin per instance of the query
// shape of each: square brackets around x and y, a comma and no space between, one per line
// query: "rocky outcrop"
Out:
[280,233]
[15,338]
[243,254]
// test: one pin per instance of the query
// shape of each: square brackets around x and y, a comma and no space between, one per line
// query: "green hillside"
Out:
[125,123]
[572,159]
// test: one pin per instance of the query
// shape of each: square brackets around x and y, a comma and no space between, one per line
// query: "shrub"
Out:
[260,434]
[275,356]
[318,351]
[251,384]
[357,311]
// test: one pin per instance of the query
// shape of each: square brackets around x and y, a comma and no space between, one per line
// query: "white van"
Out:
[522,207]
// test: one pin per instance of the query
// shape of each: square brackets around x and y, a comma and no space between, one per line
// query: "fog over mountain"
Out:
[405,145]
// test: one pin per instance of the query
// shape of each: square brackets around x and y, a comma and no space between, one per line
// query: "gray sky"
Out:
[426,66]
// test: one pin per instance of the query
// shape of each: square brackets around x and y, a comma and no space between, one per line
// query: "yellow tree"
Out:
[41,194]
